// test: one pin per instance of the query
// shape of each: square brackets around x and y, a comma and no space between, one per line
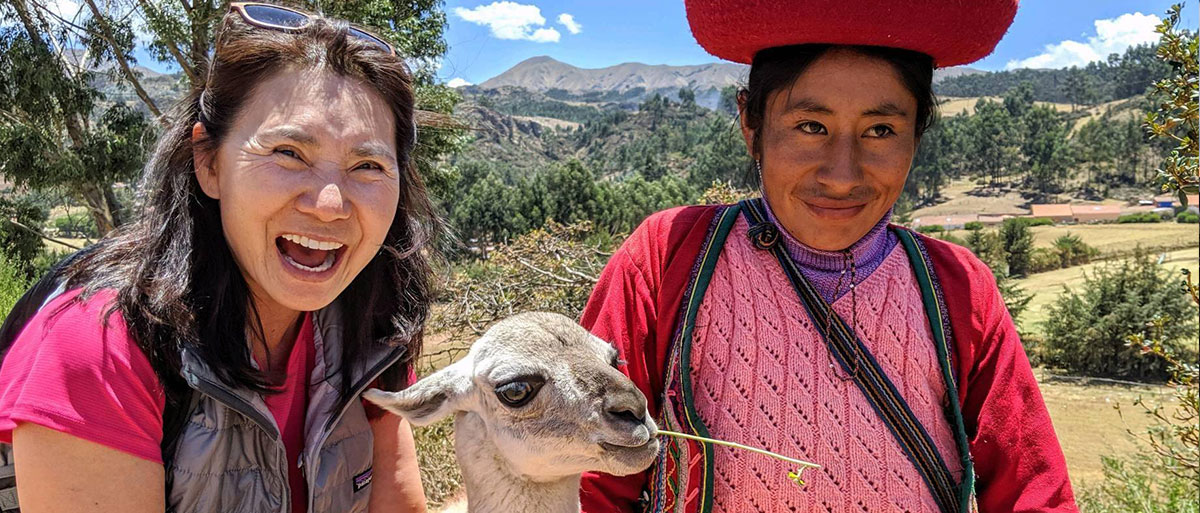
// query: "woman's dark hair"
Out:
[178,286]
[777,68]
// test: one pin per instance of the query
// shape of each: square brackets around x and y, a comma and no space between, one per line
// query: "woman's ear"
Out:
[202,161]
[747,133]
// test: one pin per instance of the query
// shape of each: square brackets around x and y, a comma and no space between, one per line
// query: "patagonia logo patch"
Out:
[362,480]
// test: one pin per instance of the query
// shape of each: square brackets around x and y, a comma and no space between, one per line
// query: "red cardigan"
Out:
[1018,461]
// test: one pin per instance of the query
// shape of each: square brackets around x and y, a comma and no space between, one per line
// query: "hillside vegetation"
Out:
[1020,137]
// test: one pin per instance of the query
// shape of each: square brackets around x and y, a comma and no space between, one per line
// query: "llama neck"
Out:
[491,485]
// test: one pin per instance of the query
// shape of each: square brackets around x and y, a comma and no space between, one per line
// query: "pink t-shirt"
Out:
[289,407]
[80,373]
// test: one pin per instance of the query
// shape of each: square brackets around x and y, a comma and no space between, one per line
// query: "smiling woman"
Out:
[210,355]
[804,322]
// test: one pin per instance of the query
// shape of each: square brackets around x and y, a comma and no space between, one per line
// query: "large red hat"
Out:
[953,32]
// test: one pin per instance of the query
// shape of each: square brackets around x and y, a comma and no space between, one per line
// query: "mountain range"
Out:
[635,81]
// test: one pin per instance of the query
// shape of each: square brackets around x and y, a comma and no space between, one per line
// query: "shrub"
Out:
[1188,217]
[931,228]
[1086,330]
[12,284]
[21,243]
[1071,250]
[77,226]
[1140,217]
[1044,259]
[973,225]
[1018,244]
[990,249]
[949,237]
[1135,487]
[1037,221]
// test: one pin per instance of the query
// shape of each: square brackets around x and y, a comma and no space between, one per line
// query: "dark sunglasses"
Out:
[275,17]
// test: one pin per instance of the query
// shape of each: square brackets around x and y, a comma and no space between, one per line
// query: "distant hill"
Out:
[634,81]
[1120,76]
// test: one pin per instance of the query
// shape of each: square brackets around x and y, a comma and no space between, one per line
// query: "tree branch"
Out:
[119,55]
[40,234]
[184,64]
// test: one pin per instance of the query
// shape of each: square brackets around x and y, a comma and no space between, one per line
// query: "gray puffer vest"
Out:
[230,457]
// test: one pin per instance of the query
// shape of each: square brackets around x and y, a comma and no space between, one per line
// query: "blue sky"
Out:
[487,37]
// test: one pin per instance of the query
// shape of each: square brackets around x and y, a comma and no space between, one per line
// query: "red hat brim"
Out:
[953,32]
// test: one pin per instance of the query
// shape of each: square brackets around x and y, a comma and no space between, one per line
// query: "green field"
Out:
[1116,238]
[1045,287]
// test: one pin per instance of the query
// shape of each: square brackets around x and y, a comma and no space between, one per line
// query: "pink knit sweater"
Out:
[762,375]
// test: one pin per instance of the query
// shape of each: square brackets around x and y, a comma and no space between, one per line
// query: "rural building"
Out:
[1095,213]
[1193,203]
[1057,212]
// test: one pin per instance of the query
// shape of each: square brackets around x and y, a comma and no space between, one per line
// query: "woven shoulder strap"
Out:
[858,362]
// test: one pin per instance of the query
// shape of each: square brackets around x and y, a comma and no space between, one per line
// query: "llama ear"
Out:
[430,399]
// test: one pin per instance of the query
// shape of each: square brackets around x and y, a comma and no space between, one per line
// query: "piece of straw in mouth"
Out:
[794,476]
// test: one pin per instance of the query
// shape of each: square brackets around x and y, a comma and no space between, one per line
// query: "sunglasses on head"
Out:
[275,17]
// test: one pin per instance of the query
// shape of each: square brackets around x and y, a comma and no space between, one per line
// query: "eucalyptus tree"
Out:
[51,114]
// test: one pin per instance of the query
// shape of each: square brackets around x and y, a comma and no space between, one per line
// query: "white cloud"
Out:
[457,82]
[1113,35]
[510,20]
[569,22]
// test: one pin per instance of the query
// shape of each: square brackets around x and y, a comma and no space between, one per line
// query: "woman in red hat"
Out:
[803,321]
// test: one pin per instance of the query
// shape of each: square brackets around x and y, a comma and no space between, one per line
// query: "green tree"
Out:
[1087,328]
[1046,148]
[13,283]
[1018,244]
[687,97]
[1018,100]
[47,103]
[1079,88]
[46,134]
[995,143]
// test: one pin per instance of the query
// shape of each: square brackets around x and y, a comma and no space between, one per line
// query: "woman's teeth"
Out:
[312,244]
[329,258]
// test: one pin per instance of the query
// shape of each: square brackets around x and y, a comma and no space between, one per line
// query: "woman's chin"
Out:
[306,293]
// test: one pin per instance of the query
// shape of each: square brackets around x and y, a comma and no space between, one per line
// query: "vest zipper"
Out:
[233,402]
[220,394]
[355,392]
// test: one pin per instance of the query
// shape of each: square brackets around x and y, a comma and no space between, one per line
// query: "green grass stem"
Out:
[763,452]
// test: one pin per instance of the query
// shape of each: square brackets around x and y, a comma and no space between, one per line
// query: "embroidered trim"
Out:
[931,291]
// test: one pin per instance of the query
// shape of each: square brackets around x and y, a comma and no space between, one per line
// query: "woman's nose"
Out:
[842,171]
[325,202]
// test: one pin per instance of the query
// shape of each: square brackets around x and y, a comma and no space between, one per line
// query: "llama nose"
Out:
[626,407]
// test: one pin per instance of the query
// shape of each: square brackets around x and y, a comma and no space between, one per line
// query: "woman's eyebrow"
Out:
[886,109]
[291,132]
[808,105]
[372,149]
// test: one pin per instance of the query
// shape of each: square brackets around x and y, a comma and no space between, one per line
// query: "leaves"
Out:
[1175,119]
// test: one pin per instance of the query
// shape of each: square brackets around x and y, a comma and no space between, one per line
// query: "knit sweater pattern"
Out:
[762,375]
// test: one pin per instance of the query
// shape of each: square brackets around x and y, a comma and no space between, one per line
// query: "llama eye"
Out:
[519,392]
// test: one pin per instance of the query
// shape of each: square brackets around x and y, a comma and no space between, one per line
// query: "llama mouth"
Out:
[611,447]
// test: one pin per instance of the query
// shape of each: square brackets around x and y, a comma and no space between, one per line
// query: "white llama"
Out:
[537,401]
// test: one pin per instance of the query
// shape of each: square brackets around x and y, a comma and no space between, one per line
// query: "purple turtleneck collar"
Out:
[823,268]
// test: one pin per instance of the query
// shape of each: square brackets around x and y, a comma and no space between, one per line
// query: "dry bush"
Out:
[549,269]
